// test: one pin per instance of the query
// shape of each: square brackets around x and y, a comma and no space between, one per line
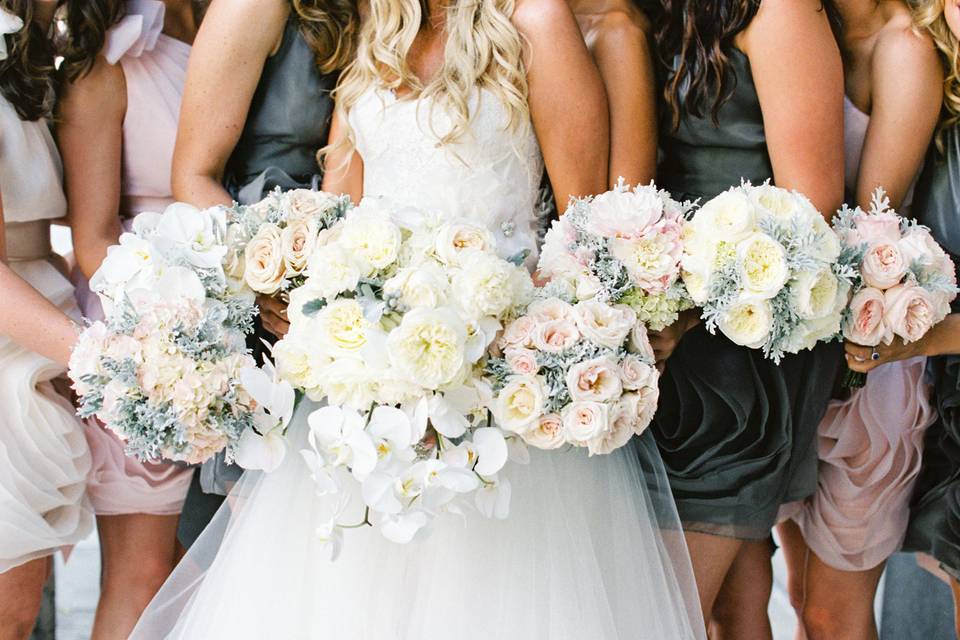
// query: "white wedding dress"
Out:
[592,549]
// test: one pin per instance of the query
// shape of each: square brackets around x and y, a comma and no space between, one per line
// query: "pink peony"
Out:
[883,266]
[910,311]
[867,326]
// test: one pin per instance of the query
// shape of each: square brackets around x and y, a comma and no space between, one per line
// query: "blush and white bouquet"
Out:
[621,247]
[903,281]
[764,265]
[392,327]
[270,242]
[574,374]
[163,370]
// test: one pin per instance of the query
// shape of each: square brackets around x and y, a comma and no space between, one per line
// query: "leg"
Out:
[955,590]
[838,605]
[20,592]
[139,551]
[795,553]
[740,610]
[711,557]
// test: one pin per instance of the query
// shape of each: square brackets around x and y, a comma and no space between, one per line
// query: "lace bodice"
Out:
[491,175]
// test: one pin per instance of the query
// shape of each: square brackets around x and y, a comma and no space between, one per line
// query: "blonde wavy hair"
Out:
[483,50]
[928,16]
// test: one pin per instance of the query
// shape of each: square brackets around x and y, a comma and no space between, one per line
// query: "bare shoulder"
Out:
[99,94]
[784,14]
[256,23]
[540,18]
[620,28]
[784,26]
[253,12]
[900,47]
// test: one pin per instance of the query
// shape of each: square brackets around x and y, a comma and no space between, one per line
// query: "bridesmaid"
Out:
[934,528]
[618,36]
[752,90]
[125,64]
[870,444]
[269,66]
[44,459]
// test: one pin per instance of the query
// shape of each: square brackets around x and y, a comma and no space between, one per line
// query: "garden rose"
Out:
[584,421]
[606,325]
[595,380]
[909,312]
[519,404]
[265,268]
[883,266]
[547,434]
[867,326]
[555,336]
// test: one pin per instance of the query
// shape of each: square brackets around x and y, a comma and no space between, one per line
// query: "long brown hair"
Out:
[694,39]
[27,75]
[330,27]
[87,23]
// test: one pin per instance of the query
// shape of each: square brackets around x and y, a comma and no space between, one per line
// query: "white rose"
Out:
[519,405]
[518,333]
[622,422]
[635,373]
[698,286]
[233,262]
[729,216]
[595,380]
[814,294]
[333,270]
[587,287]
[456,239]
[547,434]
[641,406]
[763,267]
[424,286]
[372,237]
[429,346]
[640,343]
[264,266]
[584,421]
[485,285]
[299,239]
[605,325]
[555,336]
[748,323]
[306,203]
[522,361]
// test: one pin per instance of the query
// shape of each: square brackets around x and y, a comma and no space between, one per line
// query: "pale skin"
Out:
[233,44]
[138,550]
[573,133]
[892,74]
[798,74]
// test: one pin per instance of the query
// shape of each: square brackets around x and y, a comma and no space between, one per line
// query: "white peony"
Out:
[748,323]
[730,216]
[343,327]
[763,267]
[423,286]
[486,285]
[429,346]
[333,270]
[371,236]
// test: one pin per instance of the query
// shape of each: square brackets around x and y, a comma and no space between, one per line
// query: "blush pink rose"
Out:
[883,266]
[866,326]
[550,309]
[910,311]
[873,229]
[596,380]
[636,374]
[556,336]
[640,342]
[547,434]
[584,421]
[522,361]
[518,333]
[618,435]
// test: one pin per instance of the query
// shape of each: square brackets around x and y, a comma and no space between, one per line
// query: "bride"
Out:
[455,107]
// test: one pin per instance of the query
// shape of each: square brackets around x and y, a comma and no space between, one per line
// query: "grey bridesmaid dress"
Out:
[288,122]
[935,513]
[736,431]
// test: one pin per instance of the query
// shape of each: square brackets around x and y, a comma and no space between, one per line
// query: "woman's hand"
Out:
[273,314]
[861,359]
[665,342]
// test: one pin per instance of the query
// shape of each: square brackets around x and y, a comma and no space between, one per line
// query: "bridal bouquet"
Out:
[903,281]
[580,375]
[270,242]
[621,247]
[764,265]
[164,369]
[391,327]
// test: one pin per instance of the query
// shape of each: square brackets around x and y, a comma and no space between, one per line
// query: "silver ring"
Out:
[875,355]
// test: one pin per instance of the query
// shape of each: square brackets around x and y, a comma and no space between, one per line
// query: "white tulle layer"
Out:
[44,458]
[592,550]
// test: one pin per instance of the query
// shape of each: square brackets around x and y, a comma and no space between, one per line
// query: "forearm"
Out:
[944,338]
[200,190]
[33,321]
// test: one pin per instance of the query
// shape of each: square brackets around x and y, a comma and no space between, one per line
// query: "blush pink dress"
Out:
[154,66]
[870,445]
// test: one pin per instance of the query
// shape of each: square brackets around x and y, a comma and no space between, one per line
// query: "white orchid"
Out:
[266,447]
[338,437]
[493,499]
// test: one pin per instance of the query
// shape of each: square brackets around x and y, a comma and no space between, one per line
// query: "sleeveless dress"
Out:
[736,431]
[870,444]
[587,552]
[288,122]
[935,513]
[44,459]
[154,67]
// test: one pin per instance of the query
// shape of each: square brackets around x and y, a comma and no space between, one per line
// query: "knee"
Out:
[822,621]
[137,580]
[17,624]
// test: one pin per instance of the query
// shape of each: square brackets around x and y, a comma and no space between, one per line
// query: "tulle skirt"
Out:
[44,459]
[592,549]
[870,453]
[119,484]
